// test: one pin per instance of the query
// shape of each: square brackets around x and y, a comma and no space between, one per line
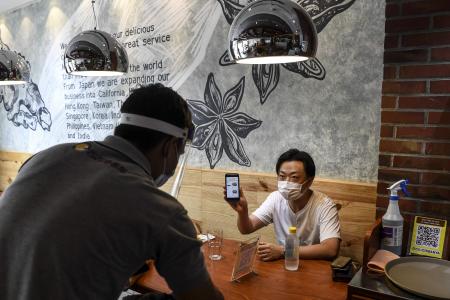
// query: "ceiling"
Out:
[9,5]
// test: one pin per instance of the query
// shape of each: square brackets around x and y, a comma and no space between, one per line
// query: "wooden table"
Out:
[311,281]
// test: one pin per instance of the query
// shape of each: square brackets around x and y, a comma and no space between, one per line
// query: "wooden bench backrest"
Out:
[202,195]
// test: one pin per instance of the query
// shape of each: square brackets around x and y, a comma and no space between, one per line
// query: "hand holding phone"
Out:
[232,187]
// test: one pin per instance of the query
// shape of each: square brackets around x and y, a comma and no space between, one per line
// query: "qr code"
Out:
[428,236]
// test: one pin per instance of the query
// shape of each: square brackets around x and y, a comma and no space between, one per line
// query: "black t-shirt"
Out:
[79,219]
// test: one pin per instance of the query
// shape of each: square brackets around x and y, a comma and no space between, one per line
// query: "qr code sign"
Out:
[428,236]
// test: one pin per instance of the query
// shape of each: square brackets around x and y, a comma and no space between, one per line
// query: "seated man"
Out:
[294,204]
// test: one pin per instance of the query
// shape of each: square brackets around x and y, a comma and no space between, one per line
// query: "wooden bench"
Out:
[202,195]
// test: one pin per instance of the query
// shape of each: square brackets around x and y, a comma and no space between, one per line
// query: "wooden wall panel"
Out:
[202,195]
[10,163]
[356,202]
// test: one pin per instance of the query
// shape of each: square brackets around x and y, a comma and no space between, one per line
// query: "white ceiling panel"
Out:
[9,5]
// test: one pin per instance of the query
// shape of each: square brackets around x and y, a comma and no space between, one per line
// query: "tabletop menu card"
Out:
[428,237]
[245,257]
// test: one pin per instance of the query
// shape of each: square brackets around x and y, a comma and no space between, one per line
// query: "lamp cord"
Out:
[95,17]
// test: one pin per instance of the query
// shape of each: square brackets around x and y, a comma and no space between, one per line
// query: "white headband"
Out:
[154,124]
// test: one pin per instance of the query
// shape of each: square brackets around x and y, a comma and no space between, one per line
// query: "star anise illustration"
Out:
[266,77]
[218,124]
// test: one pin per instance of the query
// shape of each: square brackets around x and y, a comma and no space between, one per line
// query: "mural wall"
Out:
[245,116]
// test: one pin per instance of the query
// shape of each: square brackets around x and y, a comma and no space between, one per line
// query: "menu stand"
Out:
[245,257]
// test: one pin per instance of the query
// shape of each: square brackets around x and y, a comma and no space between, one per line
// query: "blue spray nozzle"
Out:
[403,185]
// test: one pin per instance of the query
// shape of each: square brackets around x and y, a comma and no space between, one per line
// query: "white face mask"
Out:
[290,191]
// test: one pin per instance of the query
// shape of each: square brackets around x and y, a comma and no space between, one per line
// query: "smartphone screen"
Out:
[232,186]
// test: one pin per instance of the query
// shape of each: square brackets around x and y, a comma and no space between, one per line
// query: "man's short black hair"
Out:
[297,155]
[155,101]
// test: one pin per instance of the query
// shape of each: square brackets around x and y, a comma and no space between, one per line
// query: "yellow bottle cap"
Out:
[292,229]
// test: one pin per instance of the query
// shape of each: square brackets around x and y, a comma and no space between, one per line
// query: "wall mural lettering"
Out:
[24,106]
[160,49]
[266,77]
[219,125]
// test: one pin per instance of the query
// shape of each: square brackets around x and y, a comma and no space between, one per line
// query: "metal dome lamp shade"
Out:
[272,32]
[95,53]
[14,68]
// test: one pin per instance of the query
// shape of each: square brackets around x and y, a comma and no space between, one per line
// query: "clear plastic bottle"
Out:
[392,221]
[291,250]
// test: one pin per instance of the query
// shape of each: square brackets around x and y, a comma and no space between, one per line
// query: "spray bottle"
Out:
[392,221]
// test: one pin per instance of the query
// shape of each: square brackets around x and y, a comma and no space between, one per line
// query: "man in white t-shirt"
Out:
[294,204]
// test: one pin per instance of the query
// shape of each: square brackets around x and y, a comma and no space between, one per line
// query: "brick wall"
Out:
[415,107]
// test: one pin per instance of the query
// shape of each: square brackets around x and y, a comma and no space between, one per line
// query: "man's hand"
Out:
[240,206]
[268,251]
[246,224]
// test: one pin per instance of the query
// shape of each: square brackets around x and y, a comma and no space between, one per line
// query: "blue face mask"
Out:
[166,174]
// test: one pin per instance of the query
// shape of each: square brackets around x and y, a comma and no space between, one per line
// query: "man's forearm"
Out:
[318,251]
[244,223]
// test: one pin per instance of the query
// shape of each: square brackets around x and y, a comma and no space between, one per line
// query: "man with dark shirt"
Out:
[80,219]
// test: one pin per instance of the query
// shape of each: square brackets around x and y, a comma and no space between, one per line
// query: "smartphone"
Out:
[232,186]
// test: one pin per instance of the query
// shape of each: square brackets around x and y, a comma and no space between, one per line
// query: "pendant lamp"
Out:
[95,53]
[272,32]
[14,68]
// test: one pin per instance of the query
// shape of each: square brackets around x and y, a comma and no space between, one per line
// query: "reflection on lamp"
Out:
[270,32]
[95,53]
[14,68]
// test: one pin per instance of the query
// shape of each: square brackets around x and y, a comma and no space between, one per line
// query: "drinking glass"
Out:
[215,240]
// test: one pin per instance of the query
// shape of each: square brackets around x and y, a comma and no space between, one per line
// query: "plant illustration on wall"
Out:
[24,106]
[266,77]
[219,126]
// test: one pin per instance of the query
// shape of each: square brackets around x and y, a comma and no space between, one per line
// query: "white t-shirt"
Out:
[316,222]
